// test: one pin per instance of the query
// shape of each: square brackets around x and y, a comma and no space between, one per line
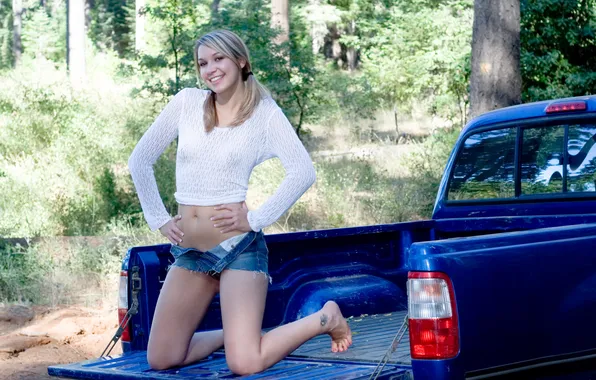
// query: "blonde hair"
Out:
[232,47]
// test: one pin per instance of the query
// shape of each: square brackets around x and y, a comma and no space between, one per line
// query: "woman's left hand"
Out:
[234,218]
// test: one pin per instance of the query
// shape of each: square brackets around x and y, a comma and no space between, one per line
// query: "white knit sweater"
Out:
[214,168]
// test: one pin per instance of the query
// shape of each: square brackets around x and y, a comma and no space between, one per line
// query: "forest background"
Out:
[377,90]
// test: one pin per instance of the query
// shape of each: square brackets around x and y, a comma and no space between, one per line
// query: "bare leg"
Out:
[203,344]
[243,304]
[182,303]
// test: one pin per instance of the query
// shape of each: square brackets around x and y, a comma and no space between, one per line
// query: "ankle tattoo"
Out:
[324,319]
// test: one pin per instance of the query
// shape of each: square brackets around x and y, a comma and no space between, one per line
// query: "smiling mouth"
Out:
[215,79]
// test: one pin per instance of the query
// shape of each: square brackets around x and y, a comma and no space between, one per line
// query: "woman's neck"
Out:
[230,101]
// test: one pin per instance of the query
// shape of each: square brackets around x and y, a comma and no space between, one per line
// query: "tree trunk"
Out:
[76,41]
[17,24]
[318,29]
[139,26]
[332,47]
[351,53]
[214,10]
[495,80]
[280,18]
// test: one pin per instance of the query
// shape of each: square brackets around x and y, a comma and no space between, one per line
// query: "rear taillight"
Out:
[123,304]
[434,332]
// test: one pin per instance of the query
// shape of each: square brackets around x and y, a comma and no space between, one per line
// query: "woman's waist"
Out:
[198,228]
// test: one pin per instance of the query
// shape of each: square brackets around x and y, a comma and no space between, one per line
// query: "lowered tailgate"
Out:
[373,335]
[134,366]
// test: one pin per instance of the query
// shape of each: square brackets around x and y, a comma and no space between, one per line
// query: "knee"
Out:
[244,364]
[160,360]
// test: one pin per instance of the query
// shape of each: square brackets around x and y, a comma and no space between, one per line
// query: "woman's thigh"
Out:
[182,304]
[242,298]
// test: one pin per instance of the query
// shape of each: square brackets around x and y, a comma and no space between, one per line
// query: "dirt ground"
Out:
[33,338]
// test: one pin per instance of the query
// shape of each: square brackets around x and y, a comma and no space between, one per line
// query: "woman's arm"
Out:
[153,143]
[282,142]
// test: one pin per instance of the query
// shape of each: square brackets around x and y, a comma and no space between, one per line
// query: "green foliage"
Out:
[43,32]
[22,274]
[179,21]
[421,57]
[354,192]
[57,271]
[427,163]
[341,98]
[112,26]
[557,48]
[61,159]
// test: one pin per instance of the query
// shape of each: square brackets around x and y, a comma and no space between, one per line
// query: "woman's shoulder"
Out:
[264,113]
[195,92]
[268,106]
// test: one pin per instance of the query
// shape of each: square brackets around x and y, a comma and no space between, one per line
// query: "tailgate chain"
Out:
[396,340]
[134,309]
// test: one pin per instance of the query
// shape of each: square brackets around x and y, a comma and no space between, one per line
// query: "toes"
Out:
[341,345]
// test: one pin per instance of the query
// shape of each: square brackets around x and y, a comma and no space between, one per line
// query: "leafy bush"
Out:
[63,159]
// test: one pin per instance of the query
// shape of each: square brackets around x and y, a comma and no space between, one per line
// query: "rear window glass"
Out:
[581,168]
[542,160]
[485,166]
[550,162]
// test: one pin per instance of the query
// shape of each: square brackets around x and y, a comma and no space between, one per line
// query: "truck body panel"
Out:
[547,279]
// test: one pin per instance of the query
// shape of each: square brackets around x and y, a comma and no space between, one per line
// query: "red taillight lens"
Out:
[433,339]
[123,304]
[434,332]
[567,106]
[126,332]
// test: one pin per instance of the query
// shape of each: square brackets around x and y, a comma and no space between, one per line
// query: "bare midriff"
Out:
[198,229]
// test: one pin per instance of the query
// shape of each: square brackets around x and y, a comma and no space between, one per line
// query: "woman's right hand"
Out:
[171,230]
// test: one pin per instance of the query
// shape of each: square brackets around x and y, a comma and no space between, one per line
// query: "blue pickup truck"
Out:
[500,282]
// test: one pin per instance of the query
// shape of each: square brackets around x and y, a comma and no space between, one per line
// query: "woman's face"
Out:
[219,72]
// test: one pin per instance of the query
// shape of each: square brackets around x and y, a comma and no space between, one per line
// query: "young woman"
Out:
[217,242]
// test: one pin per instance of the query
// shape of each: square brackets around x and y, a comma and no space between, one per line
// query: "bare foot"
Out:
[335,325]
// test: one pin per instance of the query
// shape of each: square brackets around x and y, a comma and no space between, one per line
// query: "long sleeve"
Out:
[282,142]
[153,143]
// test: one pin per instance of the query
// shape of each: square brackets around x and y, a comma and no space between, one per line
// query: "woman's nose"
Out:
[209,69]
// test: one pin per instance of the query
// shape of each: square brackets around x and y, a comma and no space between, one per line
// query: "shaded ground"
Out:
[32,338]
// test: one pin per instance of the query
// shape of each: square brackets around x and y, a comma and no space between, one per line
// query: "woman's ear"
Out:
[242,63]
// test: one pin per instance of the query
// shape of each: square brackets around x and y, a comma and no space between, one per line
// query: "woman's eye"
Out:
[202,64]
[218,59]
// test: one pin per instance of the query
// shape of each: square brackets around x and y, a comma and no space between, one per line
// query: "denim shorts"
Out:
[242,252]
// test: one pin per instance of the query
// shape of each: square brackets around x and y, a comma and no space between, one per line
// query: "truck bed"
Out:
[372,336]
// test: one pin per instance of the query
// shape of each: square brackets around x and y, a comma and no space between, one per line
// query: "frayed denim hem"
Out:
[255,273]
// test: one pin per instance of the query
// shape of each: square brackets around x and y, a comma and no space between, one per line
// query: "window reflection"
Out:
[582,158]
[542,160]
[484,168]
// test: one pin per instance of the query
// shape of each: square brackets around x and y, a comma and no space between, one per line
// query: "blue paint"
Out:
[352,294]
